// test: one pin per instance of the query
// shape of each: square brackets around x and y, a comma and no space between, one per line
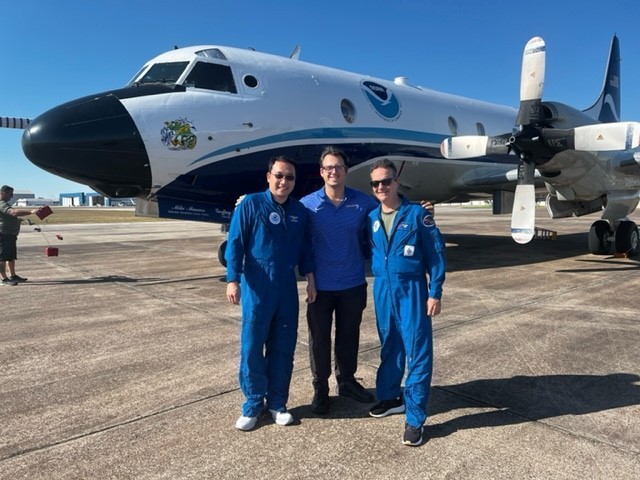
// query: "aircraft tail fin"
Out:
[606,108]
[12,122]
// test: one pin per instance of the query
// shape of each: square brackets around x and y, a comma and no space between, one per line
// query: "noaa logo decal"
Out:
[274,218]
[383,101]
[178,134]
[376,226]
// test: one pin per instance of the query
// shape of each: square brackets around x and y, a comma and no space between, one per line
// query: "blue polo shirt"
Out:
[337,238]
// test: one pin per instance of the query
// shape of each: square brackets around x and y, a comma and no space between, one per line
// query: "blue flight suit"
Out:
[265,243]
[400,291]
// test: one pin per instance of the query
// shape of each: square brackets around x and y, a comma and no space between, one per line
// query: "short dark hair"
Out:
[385,163]
[281,158]
[331,150]
[6,188]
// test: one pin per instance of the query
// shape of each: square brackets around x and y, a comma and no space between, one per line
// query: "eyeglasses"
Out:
[385,182]
[280,176]
[331,168]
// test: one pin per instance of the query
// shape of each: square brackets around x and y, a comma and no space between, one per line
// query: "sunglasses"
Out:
[280,176]
[384,182]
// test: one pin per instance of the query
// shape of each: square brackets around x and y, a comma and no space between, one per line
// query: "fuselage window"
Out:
[250,81]
[348,110]
[453,126]
[164,73]
[212,77]
[480,129]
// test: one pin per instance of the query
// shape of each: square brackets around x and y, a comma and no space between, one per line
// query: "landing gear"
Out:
[624,240]
[600,238]
[627,238]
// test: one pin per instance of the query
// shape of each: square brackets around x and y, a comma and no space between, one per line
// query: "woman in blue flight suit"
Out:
[406,246]
[267,239]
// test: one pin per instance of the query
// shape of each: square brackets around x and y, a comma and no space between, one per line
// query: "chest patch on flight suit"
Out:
[376,226]
[403,226]
[274,218]
[293,218]
[409,250]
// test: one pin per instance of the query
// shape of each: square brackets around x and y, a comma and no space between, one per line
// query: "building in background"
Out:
[92,199]
[25,198]
[76,199]
[34,202]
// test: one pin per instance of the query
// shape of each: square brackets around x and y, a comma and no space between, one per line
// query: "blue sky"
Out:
[53,52]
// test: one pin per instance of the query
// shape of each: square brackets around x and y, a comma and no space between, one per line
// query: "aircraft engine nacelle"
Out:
[559,115]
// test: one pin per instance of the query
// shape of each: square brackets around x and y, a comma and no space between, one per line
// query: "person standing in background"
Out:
[9,230]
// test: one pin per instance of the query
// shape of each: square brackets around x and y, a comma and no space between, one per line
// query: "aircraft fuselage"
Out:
[196,127]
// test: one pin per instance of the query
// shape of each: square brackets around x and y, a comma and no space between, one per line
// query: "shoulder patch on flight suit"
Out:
[428,221]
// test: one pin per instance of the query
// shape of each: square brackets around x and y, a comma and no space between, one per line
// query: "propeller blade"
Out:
[523,216]
[607,136]
[469,146]
[532,82]
[13,122]
[465,146]
[533,65]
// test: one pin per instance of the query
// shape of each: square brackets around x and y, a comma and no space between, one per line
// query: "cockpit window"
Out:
[164,73]
[212,77]
[211,53]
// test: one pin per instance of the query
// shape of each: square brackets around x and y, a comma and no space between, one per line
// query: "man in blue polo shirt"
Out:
[338,216]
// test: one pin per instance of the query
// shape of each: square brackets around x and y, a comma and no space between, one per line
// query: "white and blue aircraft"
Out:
[195,127]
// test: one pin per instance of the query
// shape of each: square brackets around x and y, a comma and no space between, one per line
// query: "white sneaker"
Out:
[281,418]
[246,423]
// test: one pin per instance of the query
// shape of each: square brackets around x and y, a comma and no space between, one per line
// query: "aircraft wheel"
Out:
[627,238]
[600,238]
[221,250]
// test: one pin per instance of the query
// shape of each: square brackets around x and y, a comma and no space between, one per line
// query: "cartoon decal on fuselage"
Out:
[178,134]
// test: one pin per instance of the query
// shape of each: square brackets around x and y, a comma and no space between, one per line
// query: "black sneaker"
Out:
[17,279]
[387,407]
[7,282]
[320,403]
[354,390]
[412,435]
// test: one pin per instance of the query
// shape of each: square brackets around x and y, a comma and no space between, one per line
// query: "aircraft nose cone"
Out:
[94,141]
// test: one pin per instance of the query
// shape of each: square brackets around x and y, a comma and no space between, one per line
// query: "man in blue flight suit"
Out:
[406,246]
[268,237]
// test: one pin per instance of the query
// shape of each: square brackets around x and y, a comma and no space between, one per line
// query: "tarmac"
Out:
[119,361]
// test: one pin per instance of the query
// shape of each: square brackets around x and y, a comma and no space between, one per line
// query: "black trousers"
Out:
[348,306]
